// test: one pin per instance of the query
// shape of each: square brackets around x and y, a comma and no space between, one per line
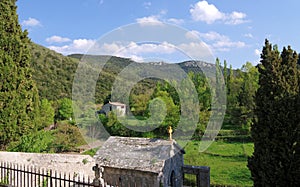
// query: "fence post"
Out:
[203,177]
[202,174]
[96,181]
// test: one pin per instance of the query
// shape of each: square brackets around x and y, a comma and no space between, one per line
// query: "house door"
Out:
[173,179]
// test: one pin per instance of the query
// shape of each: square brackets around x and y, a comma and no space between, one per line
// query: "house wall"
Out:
[127,177]
[120,111]
[173,164]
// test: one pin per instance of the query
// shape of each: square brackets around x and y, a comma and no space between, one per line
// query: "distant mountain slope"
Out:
[54,73]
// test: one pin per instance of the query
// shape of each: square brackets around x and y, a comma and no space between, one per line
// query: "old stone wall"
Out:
[128,177]
[172,171]
[74,164]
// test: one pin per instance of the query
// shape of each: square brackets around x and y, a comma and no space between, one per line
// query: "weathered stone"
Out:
[153,162]
[79,165]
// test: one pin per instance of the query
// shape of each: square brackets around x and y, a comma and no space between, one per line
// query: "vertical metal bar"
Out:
[69,180]
[64,179]
[27,169]
[55,176]
[20,175]
[39,176]
[15,174]
[51,184]
[36,175]
[31,176]
[1,170]
[9,173]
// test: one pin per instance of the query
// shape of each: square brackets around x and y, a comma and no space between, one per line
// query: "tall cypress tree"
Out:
[275,131]
[18,94]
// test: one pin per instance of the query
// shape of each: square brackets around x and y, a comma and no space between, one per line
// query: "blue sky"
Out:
[234,30]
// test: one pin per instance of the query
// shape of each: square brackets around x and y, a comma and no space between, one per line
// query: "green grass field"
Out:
[227,162]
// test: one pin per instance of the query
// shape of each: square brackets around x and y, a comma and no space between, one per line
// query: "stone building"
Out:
[117,107]
[141,162]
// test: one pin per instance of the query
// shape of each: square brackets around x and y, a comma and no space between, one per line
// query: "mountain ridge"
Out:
[54,72]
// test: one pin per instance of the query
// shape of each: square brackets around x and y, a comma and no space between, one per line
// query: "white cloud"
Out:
[192,35]
[217,41]
[175,21]
[136,51]
[213,36]
[77,46]
[146,48]
[202,11]
[257,52]
[248,35]
[158,19]
[225,45]
[57,39]
[31,22]
[149,21]
[147,5]
[209,13]
[236,18]
[196,50]
[136,58]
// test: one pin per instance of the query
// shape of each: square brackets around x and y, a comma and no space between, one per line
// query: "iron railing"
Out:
[25,176]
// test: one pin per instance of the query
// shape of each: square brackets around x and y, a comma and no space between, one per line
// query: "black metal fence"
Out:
[24,176]
[16,175]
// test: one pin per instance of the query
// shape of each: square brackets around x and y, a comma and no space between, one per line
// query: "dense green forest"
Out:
[53,74]
[36,108]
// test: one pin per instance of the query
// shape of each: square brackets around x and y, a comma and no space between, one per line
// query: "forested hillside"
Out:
[261,123]
[54,75]
[53,72]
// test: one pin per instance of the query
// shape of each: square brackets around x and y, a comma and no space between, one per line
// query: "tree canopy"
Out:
[19,99]
[275,131]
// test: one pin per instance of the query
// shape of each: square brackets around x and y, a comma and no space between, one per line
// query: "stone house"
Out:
[117,107]
[128,161]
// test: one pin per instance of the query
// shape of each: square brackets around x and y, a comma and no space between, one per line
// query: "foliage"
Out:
[172,113]
[276,160]
[19,102]
[53,72]
[90,152]
[115,128]
[47,113]
[67,138]
[64,110]
[37,142]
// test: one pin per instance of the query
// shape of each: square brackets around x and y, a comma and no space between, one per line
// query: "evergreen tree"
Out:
[275,132]
[18,94]
[225,72]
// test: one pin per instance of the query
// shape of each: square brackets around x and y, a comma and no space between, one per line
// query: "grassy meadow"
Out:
[227,161]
